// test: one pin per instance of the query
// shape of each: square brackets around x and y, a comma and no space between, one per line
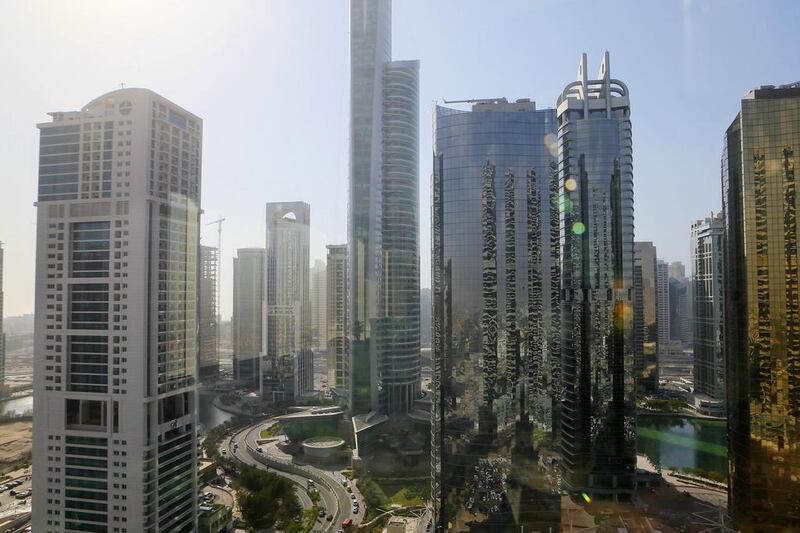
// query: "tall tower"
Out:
[287,370]
[598,442]
[207,355]
[762,309]
[496,299]
[336,317]
[115,329]
[383,217]
[708,311]
[319,308]
[646,365]
[662,306]
[247,322]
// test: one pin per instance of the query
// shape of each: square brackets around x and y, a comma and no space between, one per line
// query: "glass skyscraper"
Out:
[383,224]
[598,444]
[287,371]
[496,344]
[762,309]
[247,321]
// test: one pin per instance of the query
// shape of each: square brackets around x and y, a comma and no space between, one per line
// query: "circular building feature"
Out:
[322,448]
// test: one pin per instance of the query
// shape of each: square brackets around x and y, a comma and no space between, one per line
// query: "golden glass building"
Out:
[762,323]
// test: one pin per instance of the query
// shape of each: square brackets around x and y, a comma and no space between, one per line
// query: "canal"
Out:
[683,442]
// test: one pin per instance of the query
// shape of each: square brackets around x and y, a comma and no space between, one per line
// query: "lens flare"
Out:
[586,497]
[570,184]
[579,228]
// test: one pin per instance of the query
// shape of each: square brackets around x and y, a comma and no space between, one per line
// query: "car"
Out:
[352,496]
[344,483]
[349,489]
[311,482]
[223,451]
[329,518]
[347,522]
[321,513]
[23,502]
[355,510]
[21,495]
[12,492]
[259,450]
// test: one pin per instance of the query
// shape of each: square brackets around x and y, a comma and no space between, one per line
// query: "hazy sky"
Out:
[270,80]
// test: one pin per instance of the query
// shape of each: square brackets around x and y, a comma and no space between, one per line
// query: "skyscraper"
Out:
[708,313]
[247,322]
[207,349]
[762,309]
[680,304]
[287,371]
[383,217]
[115,328]
[319,307]
[662,306]
[496,345]
[598,444]
[647,362]
[336,316]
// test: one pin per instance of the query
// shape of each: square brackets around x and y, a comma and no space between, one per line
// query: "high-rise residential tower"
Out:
[287,371]
[680,304]
[708,313]
[646,363]
[319,307]
[762,309]
[662,306]
[116,317]
[383,217]
[207,343]
[598,444]
[496,338]
[336,317]
[247,322]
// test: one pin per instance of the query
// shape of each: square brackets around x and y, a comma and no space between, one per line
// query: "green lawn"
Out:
[273,431]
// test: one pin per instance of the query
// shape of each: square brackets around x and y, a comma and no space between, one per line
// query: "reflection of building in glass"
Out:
[495,348]
[762,309]
[319,308]
[207,333]
[336,318]
[646,351]
[383,226]
[247,322]
[116,316]
[598,444]
[287,371]
[709,359]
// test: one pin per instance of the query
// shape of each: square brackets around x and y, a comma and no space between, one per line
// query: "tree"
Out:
[266,499]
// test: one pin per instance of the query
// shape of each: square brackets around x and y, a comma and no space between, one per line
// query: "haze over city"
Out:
[270,80]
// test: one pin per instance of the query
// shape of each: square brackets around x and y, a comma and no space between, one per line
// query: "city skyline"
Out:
[702,88]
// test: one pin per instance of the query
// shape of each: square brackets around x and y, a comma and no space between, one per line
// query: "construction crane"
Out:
[218,222]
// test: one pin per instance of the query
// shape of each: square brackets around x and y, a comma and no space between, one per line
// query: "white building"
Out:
[287,370]
[247,322]
[319,308]
[662,305]
[115,329]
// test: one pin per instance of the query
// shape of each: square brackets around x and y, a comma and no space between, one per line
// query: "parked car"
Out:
[329,518]
[259,450]
[12,492]
[347,522]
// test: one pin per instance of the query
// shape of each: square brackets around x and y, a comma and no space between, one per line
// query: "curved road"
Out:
[338,501]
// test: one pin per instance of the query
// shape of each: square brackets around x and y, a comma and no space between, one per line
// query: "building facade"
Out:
[708,308]
[646,350]
[383,217]
[680,308]
[287,370]
[598,444]
[208,329]
[247,322]
[762,309]
[319,307]
[662,306]
[496,343]
[336,316]
[115,342]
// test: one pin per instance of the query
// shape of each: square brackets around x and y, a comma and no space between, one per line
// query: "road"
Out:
[336,499]
[300,482]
